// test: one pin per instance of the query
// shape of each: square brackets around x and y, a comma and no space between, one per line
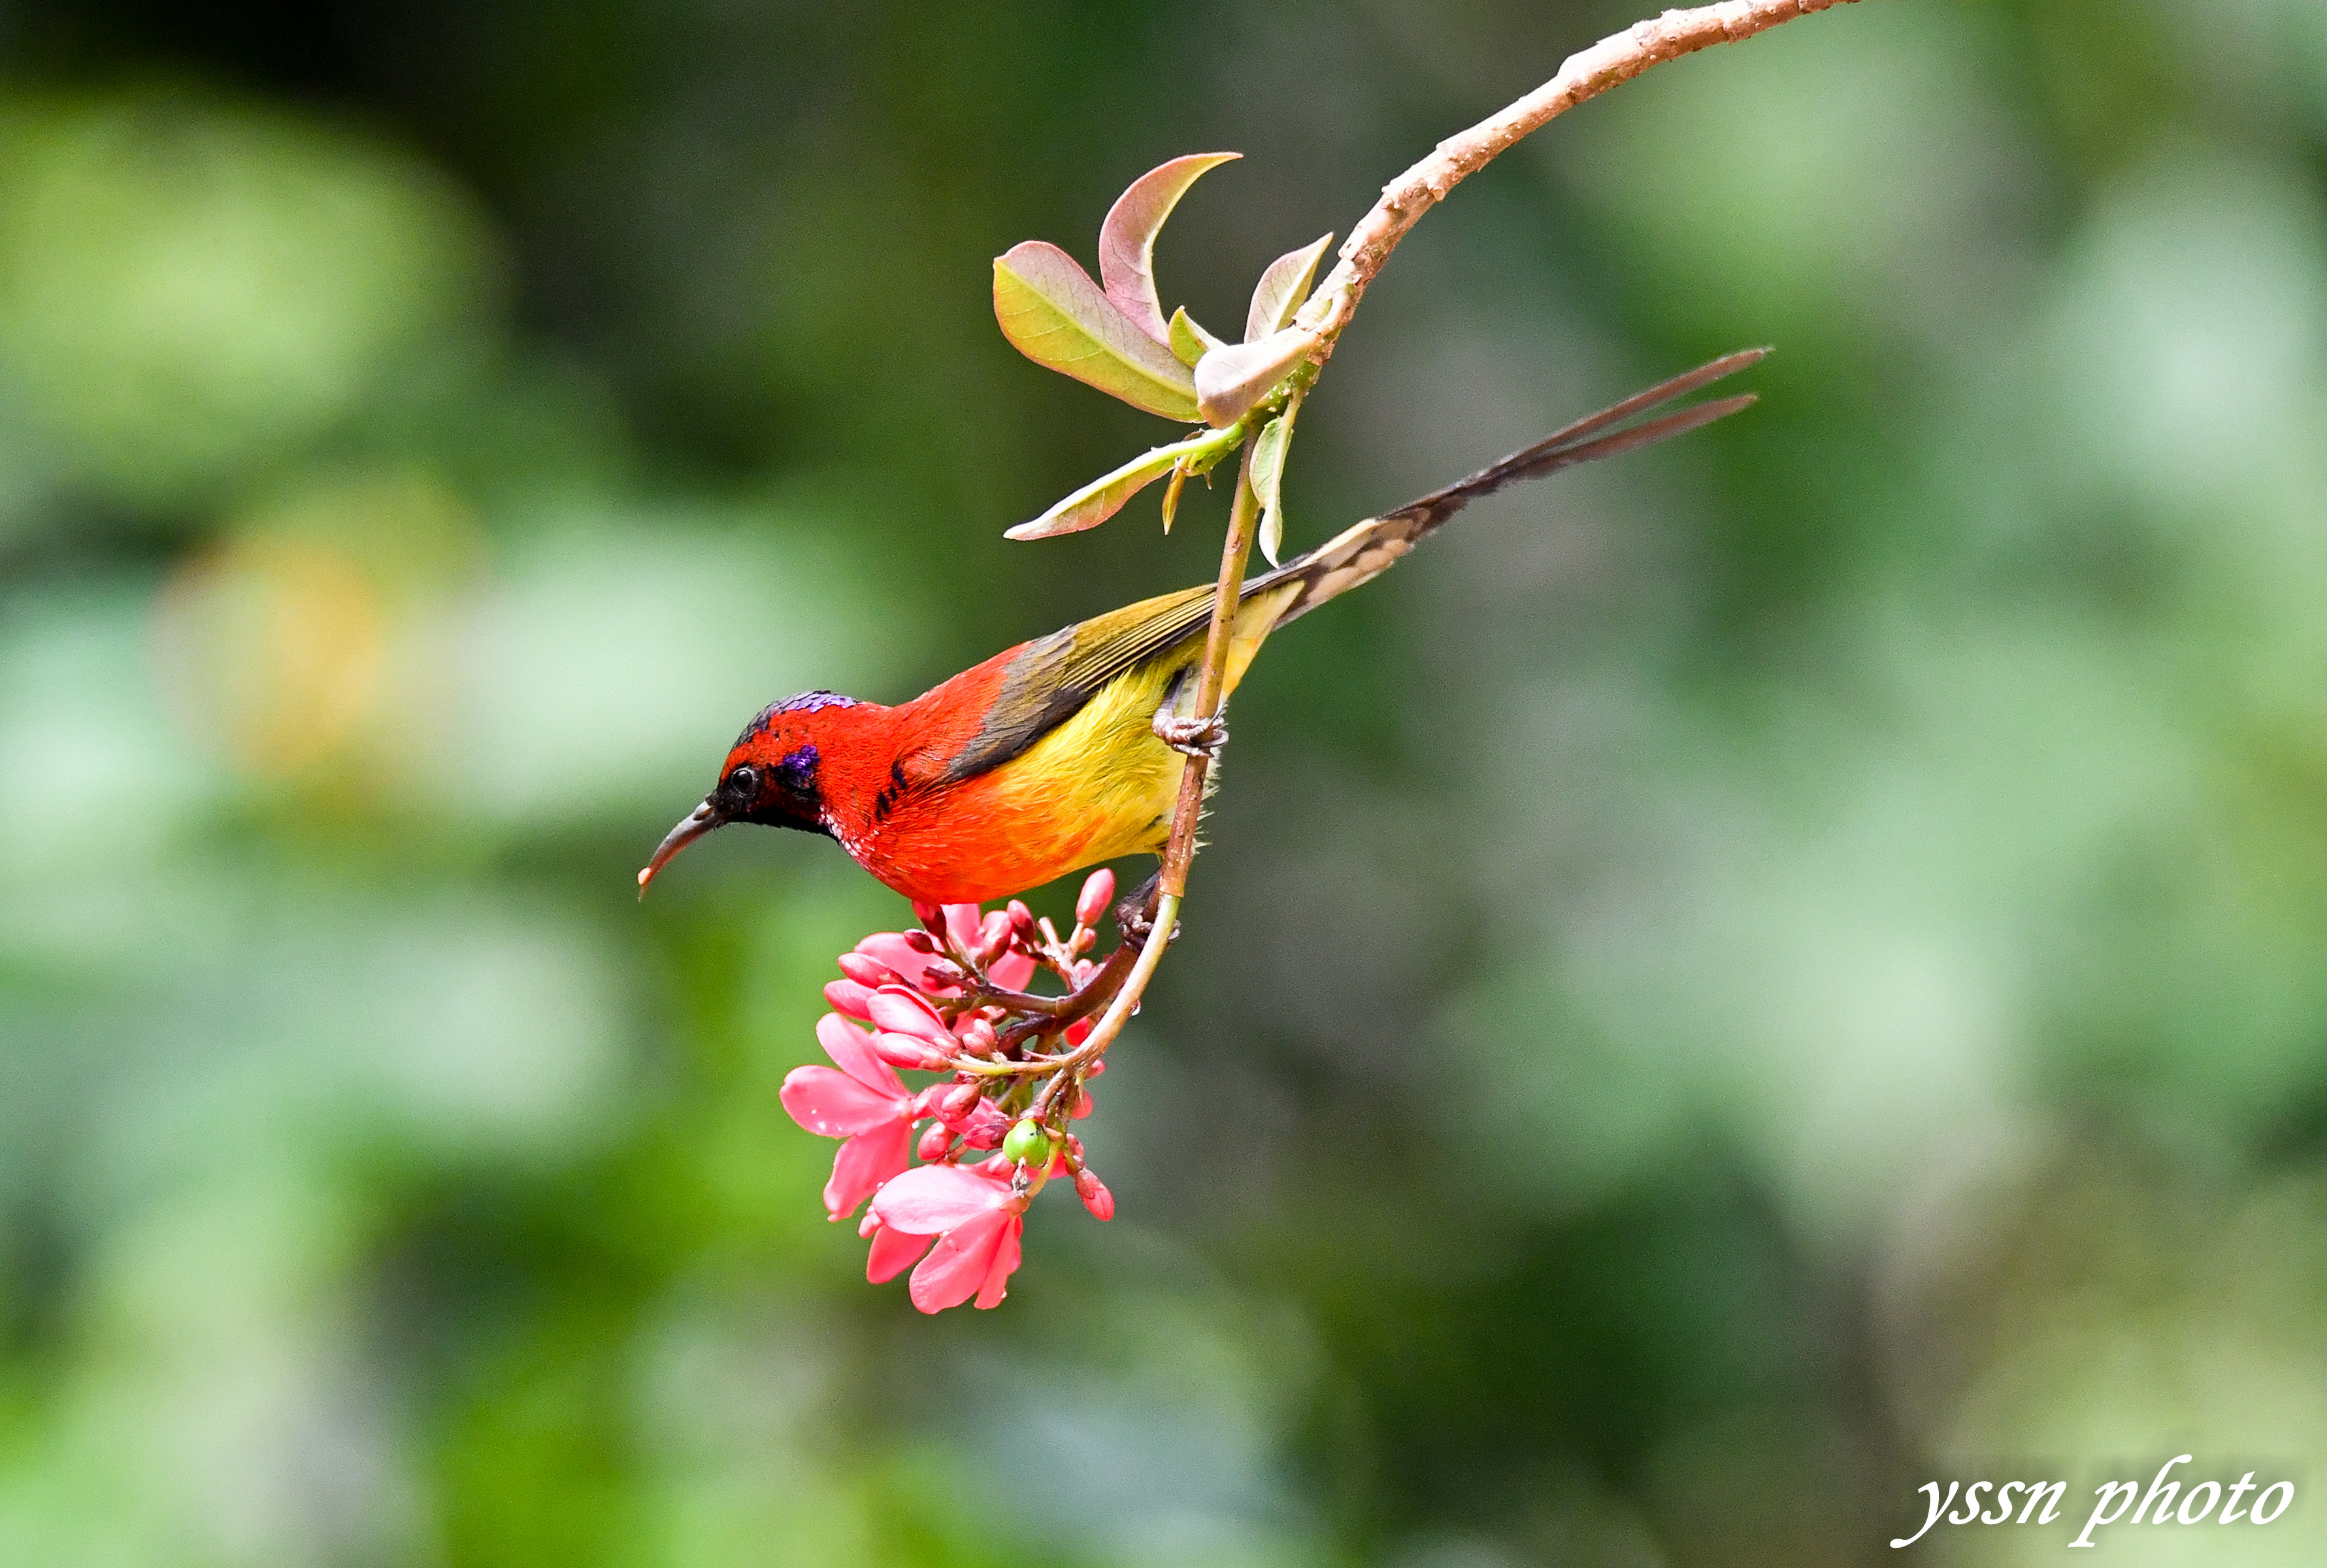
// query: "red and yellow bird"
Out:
[1067,750]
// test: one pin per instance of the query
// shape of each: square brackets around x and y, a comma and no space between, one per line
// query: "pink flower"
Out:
[1012,970]
[863,1104]
[913,967]
[976,1221]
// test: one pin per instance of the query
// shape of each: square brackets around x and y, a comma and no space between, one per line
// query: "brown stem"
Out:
[1213,676]
[1585,74]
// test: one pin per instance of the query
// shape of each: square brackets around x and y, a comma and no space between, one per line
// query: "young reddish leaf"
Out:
[1267,476]
[1127,240]
[1053,313]
[1189,342]
[1281,289]
[1231,380]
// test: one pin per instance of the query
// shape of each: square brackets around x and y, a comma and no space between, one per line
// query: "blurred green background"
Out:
[1742,981]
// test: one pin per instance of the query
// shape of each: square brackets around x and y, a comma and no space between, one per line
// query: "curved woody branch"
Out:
[1584,75]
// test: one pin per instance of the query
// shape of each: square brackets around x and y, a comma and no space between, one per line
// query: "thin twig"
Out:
[1211,680]
[1584,75]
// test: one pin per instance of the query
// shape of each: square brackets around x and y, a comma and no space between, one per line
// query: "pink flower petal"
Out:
[1004,1265]
[903,1011]
[958,1265]
[832,1104]
[852,1053]
[930,1199]
[963,925]
[1012,970]
[893,1252]
[889,948]
[864,1163]
[846,996]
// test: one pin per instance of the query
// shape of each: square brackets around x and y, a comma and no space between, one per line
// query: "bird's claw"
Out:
[1134,914]
[1192,737]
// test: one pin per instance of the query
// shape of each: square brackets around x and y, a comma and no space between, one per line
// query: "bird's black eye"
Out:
[743,781]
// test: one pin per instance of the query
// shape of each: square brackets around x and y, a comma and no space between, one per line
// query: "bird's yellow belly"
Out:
[1098,788]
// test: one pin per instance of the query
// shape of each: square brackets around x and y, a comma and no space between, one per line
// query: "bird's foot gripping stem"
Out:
[1191,737]
[1134,915]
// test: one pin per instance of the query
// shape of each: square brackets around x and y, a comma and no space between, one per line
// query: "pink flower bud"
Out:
[978,1038]
[868,972]
[850,998]
[1081,1106]
[932,919]
[1022,918]
[1094,1194]
[909,1050]
[959,1100]
[868,1225]
[920,941]
[935,1140]
[907,1011]
[1079,1029]
[1097,889]
[1086,940]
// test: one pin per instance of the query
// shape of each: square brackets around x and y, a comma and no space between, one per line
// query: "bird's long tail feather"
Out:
[1361,553]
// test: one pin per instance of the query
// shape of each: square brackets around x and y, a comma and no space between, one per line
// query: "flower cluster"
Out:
[951,999]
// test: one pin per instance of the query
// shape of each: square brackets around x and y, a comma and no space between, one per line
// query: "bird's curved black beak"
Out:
[692,826]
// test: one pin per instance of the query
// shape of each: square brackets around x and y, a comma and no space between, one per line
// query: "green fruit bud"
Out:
[1028,1143]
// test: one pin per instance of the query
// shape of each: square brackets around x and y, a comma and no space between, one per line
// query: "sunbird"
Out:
[1067,750]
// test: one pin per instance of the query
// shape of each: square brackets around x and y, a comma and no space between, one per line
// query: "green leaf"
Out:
[1282,285]
[1269,452]
[1053,313]
[1189,342]
[1127,240]
[1101,499]
[1230,380]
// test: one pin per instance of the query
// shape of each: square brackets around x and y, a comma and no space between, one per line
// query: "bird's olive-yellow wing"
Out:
[1052,677]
